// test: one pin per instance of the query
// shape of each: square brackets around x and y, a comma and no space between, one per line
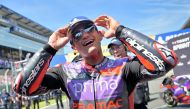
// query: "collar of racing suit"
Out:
[85,65]
[93,71]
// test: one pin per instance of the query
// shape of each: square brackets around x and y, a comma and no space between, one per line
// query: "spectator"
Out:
[119,50]
[46,95]
[58,98]
[13,99]
[18,101]
[35,100]
[5,98]
[27,102]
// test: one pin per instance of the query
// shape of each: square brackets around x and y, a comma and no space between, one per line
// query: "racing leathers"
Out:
[103,86]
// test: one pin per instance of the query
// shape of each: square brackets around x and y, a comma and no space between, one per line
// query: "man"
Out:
[58,98]
[27,102]
[5,98]
[96,81]
[36,100]
[119,50]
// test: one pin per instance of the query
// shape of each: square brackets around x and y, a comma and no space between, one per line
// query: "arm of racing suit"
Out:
[33,79]
[153,59]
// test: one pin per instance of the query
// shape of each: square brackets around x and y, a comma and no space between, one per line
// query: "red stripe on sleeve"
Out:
[39,79]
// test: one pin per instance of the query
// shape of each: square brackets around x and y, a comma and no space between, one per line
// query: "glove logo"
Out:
[159,63]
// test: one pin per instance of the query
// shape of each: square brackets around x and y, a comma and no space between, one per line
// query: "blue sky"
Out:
[150,17]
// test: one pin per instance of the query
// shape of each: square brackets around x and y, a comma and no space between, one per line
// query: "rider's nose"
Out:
[85,35]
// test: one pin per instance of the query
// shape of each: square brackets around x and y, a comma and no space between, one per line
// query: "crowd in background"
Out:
[14,101]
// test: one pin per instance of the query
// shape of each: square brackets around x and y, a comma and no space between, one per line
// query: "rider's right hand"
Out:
[109,23]
[60,38]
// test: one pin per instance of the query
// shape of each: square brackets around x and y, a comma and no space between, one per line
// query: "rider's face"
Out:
[86,40]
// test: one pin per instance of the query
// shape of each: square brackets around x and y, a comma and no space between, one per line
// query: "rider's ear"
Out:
[100,36]
[73,47]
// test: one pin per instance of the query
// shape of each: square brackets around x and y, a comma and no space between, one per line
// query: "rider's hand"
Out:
[109,23]
[59,38]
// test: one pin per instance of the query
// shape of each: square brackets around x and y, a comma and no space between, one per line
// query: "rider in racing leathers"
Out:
[96,82]
[183,82]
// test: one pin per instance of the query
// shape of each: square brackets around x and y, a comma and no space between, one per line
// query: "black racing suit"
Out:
[103,86]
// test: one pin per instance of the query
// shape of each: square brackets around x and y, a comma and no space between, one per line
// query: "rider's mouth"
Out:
[87,43]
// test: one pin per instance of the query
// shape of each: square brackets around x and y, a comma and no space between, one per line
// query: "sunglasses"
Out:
[78,35]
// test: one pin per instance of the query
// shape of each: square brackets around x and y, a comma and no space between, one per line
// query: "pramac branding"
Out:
[103,87]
